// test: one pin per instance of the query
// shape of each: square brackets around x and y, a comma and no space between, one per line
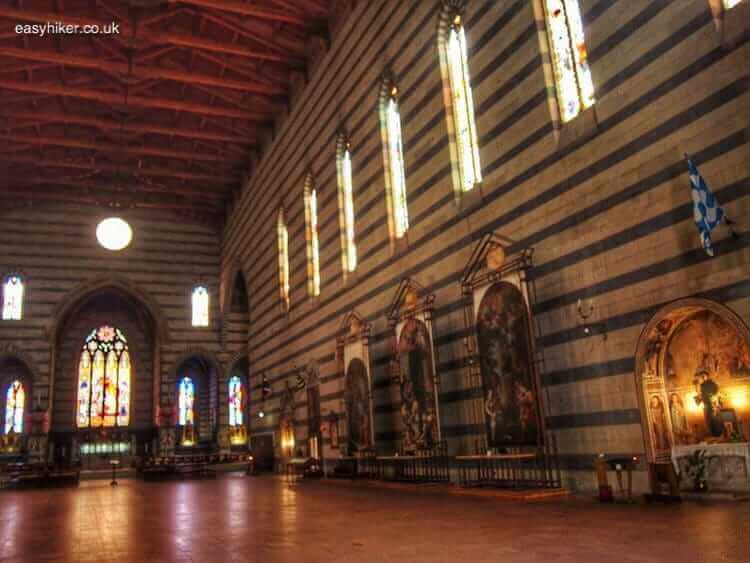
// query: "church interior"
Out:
[374,280]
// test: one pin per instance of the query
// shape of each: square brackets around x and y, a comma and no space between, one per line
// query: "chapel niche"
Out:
[353,352]
[693,366]
[15,404]
[413,366]
[500,346]
[104,373]
[196,402]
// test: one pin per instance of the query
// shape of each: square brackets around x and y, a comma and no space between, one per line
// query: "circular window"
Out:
[114,233]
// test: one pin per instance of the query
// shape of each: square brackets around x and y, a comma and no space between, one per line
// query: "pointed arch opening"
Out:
[458,98]
[312,236]
[104,380]
[393,159]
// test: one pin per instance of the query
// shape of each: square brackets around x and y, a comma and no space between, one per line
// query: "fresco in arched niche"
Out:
[418,409]
[358,406]
[707,379]
[510,406]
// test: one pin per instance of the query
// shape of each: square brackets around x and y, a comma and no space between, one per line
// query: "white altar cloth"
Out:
[730,449]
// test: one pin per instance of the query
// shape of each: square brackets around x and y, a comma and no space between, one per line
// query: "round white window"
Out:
[114,233]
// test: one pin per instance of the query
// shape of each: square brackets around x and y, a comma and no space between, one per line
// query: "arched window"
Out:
[104,372]
[186,402]
[393,160]
[573,84]
[283,261]
[313,241]
[729,4]
[200,306]
[13,298]
[236,401]
[460,105]
[15,400]
[346,204]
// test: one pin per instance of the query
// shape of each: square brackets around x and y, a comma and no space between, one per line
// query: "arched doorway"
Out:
[693,377]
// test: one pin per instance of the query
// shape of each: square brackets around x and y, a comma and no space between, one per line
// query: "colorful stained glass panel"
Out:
[463,110]
[104,372]
[15,400]
[186,402]
[396,169]
[235,401]
[13,298]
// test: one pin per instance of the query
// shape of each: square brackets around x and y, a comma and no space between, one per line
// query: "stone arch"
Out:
[11,351]
[86,289]
[653,367]
[208,390]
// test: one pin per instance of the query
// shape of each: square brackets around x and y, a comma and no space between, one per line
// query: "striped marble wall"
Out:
[604,202]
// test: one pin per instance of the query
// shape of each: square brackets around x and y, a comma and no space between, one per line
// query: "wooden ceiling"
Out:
[165,114]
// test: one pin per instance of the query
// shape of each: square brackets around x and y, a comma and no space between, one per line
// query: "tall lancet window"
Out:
[346,205]
[15,400]
[573,83]
[283,235]
[313,237]
[13,298]
[104,372]
[200,304]
[186,402]
[460,107]
[393,160]
[236,401]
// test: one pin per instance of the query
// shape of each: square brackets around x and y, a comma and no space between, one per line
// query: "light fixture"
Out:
[114,233]
[261,414]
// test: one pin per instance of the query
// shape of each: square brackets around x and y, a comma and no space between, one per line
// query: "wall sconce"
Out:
[584,312]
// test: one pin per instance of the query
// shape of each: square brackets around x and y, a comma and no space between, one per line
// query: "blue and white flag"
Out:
[706,209]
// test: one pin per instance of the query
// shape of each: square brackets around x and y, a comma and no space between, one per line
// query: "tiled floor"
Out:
[237,518]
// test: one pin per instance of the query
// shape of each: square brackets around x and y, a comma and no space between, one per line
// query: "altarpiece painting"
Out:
[353,352]
[501,345]
[414,366]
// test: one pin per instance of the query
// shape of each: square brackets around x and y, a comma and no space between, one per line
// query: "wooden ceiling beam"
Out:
[245,9]
[103,186]
[193,42]
[94,198]
[139,101]
[139,71]
[136,168]
[113,125]
[113,148]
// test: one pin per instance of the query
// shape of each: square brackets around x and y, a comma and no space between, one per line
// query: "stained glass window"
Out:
[467,147]
[283,260]
[186,402]
[313,241]
[200,306]
[13,298]
[15,399]
[729,4]
[346,204]
[104,373]
[236,397]
[394,165]
[575,89]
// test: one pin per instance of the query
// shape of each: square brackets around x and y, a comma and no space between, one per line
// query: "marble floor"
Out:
[238,518]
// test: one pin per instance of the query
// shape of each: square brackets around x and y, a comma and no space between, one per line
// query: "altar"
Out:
[728,464]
